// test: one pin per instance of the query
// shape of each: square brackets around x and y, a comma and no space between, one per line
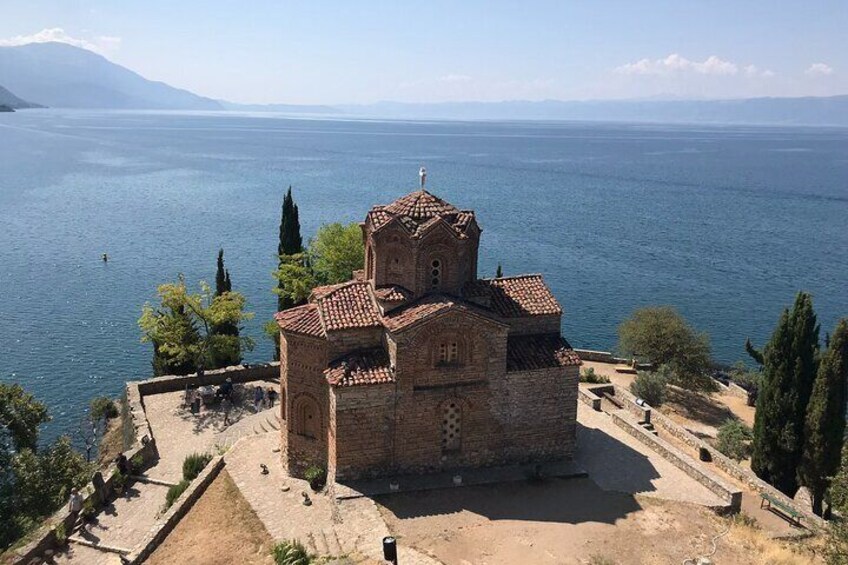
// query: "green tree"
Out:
[291,242]
[176,324]
[201,348]
[836,548]
[651,386]
[20,416]
[824,427]
[662,336]
[789,368]
[33,482]
[734,439]
[336,251]
[223,285]
[499,272]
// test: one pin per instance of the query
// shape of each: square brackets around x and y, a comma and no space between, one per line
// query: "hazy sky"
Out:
[359,51]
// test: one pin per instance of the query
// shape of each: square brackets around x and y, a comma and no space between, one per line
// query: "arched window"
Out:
[436,273]
[451,427]
[307,419]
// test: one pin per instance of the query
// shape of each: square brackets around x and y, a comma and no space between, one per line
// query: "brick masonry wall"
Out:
[302,364]
[531,325]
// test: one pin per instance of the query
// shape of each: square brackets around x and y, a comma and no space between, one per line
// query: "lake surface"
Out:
[725,223]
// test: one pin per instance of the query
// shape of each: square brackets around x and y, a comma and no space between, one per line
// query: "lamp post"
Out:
[390,550]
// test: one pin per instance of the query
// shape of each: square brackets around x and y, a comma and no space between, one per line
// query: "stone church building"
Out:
[417,365]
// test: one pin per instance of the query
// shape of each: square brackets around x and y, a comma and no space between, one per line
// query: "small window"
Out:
[436,273]
[443,353]
[448,353]
[451,427]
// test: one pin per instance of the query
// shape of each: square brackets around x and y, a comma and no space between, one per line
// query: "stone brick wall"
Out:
[363,430]
[304,438]
[531,325]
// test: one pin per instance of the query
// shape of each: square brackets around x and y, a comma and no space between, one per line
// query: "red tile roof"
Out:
[513,297]
[526,353]
[347,306]
[360,368]
[393,293]
[419,211]
[428,306]
[304,320]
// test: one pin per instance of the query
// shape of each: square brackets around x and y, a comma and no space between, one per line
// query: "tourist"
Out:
[122,464]
[225,390]
[226,404]
[74,506]
[272,396]
[258,397]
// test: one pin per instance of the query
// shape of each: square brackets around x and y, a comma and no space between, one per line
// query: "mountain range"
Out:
[63,76]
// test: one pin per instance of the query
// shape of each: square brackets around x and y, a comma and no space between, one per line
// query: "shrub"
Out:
[136,463]
[590,376]
[103,408]
[174,492]
[290,553]
[734,439]
[61,533]
[194,464]
[650,386]
[744,377]
[316,476]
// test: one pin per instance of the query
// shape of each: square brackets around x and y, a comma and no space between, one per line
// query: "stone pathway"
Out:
[326,527]
[123,523]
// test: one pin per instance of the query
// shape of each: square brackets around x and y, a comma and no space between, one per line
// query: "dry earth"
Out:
[220,529]
[572,522]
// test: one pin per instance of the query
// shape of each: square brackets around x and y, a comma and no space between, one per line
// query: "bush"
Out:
[194,464]
[650,386]
[103,408]
[746,378]
[174,492]
[590,376]
[316,476]
[136,463]
[290,553]
[734,440]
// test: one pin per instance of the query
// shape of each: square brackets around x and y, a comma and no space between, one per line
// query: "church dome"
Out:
[420,206]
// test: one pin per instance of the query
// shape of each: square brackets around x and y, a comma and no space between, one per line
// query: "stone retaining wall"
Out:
[731,496]
[238,373]
[587,396]
[600,356]
[726,464]
[168,521]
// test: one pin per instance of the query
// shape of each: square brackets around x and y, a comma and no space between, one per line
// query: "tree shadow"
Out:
[698,407]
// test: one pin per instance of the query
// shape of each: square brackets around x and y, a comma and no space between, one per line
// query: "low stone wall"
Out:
[587,396]
[731,496]
[238,373]
[726,464]
[599,356]
[168,521]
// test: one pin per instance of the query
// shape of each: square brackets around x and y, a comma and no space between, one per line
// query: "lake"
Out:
[725,223]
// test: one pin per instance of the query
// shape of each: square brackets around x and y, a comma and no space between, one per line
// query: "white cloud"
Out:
[753,71]
[819,69]
[454,78]
[101,44]
[676,63]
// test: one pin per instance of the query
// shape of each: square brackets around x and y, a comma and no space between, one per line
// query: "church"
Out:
[416,365]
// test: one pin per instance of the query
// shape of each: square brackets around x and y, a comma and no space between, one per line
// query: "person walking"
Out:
[271,395]
[258,397]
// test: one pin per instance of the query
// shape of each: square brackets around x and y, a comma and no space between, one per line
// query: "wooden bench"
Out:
[770,502]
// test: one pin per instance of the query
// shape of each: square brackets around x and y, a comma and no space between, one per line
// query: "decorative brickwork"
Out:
[417,366]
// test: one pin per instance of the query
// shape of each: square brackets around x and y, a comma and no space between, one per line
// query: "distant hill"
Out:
[280,108]
[4,108]
[824,111]
[64,76]
[12,102]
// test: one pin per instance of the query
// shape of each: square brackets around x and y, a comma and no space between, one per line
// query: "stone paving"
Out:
[326,527]
[180,433]
[617,461]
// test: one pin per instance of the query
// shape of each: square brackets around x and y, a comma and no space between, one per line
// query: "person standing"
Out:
[226,404]
[74,506]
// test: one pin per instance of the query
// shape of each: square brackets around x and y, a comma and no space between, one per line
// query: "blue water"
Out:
[726,223]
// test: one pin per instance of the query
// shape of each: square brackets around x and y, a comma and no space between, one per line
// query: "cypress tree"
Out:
[291,242]
[499,272]
[824,428]
[789,370]
[223,284]
[220,275]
